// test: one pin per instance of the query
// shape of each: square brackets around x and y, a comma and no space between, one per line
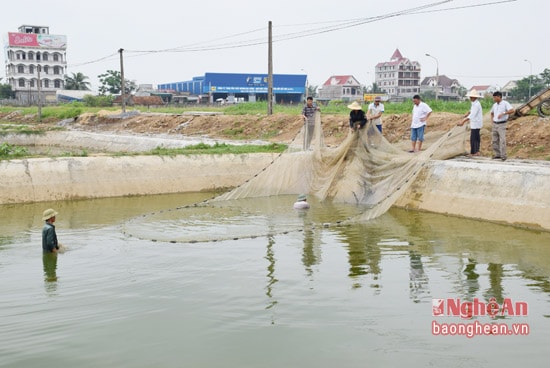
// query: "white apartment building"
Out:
[399,77]
[36,63]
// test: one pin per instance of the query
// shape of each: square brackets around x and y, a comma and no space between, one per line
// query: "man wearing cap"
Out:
[374,112]
[500,112]
[301,203]
[356,116]
[49,237]
[475,116]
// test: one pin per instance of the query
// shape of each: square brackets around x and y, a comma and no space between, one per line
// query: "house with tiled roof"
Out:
[484,89]
[448,89]
[398,77]
[341,87]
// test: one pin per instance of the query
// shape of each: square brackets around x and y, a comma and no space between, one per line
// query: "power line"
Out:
[340,25]
[294,35]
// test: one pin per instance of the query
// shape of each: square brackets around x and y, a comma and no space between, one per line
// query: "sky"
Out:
[477,42]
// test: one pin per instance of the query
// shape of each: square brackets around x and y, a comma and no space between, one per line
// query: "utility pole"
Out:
[307,84]
[269,72]
[122,86]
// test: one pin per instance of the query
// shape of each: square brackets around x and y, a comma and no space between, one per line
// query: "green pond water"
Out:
[150,282]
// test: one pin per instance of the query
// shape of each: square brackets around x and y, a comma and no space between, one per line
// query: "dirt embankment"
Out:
[527,137]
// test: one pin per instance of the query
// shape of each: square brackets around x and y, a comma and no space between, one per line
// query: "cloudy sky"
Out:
[474,41]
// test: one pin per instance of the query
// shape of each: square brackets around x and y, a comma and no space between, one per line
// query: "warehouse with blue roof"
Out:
[233,87]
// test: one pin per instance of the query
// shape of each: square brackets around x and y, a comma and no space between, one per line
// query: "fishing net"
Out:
[365,170]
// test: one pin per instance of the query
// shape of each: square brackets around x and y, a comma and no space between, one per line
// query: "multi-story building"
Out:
[399,77]
[36,63]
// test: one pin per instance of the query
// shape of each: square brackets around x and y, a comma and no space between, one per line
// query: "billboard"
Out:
[37,40]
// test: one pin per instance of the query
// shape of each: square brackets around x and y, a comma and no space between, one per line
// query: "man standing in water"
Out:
[49,237]
[308,114]
[420,114]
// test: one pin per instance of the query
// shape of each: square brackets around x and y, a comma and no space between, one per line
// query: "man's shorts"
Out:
[417,134]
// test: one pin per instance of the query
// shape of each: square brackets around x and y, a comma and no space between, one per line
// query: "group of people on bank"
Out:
[500,113]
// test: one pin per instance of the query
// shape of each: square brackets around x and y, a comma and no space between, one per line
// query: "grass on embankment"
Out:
[73,110]
[8,151]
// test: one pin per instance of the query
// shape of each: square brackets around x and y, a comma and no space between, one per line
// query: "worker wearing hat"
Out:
[475,116]
[356,116]
[301,203]
[49,237]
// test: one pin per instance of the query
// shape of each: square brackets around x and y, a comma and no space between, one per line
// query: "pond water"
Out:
[131,293]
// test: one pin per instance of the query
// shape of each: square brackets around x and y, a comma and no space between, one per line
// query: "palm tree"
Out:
[77,82]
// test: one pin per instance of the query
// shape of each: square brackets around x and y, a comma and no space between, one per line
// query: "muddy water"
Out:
[287,296]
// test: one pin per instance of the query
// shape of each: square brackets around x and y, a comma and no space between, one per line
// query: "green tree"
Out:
[312,91]
[375,88]
[545,76]
[111,82]
[6,91]
[521,92]
[77,82]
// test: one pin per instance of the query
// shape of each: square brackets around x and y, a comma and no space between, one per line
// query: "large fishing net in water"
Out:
[365,170]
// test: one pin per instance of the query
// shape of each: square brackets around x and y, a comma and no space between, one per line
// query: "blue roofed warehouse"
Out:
[287,88]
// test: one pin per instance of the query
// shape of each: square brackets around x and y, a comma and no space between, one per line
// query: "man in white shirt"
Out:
[420,114]
[500,112]
[475,116]
[375,111]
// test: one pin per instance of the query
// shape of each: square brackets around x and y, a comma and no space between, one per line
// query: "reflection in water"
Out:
[495,282]
[471,283]
[49,262]
[181,293]
[418,280]
[364,254]
[271,279]
[311,254]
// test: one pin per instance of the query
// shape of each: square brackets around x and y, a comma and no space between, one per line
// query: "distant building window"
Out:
[31,56]
[46,83]
[56,70]
[55,57]
[45,56]
[31,69]
[20,69]
[21,82]
[46,69]
[57,83]
[31,83]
